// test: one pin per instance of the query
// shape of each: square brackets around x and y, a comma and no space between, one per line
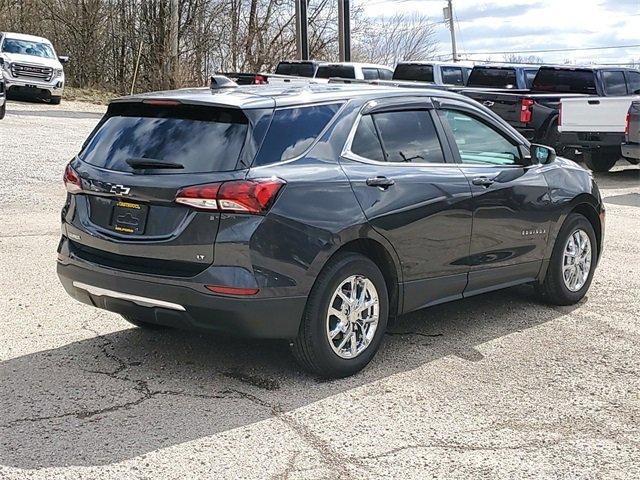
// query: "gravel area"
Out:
[496,387]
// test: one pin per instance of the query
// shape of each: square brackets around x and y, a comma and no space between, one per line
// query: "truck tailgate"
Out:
[595,114]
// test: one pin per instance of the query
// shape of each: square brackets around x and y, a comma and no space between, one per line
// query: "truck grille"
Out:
[21,70]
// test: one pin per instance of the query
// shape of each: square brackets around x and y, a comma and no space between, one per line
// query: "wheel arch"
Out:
[379,251]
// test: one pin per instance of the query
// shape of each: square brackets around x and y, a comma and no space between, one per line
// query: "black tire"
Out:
[3,110]
[311,348]
[143,324]
[553,289]
[55,100]
[601,160]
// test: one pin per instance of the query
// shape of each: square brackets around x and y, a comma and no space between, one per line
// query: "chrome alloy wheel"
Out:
[576,261]
[352,318]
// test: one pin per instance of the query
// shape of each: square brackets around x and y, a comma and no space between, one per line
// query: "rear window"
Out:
[452,76]
[564,81]
[493,78]
[335,71]
[614,83]
[292,131]
[295,69]
[413,72]
[199,139]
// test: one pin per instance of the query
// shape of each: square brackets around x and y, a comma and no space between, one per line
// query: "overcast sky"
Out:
[489,26]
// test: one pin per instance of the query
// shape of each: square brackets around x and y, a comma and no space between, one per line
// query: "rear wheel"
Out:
[345,318]
[3,110]
[572,263]
[601,160]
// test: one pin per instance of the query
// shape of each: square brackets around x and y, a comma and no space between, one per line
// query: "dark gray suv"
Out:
[317,213]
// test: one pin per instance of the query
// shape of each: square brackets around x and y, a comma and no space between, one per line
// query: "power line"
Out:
[550,50]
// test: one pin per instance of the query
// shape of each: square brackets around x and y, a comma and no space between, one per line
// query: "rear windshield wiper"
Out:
[152,163]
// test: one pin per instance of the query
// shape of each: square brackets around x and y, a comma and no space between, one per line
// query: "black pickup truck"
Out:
[534,111]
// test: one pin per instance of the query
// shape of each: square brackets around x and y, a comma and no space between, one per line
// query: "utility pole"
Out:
[302,30]
[344,30]
[448,16]
[174,67]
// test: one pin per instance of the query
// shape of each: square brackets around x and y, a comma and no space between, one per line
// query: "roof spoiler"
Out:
[220,81]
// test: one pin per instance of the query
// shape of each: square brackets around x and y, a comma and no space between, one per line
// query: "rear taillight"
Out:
[560,114]
[243,196]
[260,80]
[627,126]
[231,290]
[525,110]
[71,180]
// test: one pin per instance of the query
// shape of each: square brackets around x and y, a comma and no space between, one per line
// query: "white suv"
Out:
[31,66]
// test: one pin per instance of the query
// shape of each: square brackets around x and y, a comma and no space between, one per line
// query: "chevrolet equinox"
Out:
[317,213]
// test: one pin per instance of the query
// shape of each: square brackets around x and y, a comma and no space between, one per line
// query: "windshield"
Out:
[493,78]
[564,81]
[413,72]
[197,139]
[28,47]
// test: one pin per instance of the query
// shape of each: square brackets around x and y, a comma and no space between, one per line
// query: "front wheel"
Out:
[572,263]
[345,318]
[601,160]
[3,110]
[55,100]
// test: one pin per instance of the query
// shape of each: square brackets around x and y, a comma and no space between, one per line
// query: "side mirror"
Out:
[541,154]
[63,59]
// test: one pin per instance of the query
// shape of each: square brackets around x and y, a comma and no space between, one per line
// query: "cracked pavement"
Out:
[496,386]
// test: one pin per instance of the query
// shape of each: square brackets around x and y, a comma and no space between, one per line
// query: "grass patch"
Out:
[89,95]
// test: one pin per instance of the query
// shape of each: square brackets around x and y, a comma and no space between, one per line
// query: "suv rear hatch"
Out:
[129,173]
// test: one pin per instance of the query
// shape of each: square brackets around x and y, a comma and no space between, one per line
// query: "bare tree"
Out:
[515,58]
[403,36]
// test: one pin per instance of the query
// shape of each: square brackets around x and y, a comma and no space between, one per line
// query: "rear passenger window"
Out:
[633,82]
[366,142]
[614,83]
[452,75]
[292,131]
[385,74]
[370,73]
[408,136]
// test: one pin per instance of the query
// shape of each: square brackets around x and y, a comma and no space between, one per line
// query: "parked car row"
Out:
[528,97]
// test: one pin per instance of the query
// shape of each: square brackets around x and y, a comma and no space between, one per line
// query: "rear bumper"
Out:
[591,140]
[149,299]
[631,150]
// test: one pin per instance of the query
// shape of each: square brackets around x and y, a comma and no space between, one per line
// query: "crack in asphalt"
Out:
[329,456]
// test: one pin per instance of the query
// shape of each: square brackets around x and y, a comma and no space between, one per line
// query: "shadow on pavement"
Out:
[117,396]
[629,176]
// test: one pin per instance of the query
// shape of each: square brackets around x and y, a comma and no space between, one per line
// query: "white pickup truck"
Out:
[596,125]
[31,66]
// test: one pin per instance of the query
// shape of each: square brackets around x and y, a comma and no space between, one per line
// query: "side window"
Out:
[529,75]
[366,142]
[370,73]
[614,83]
[292,131]
[452,75]
[409,136]
[385,74]
[478,142]
[633,82]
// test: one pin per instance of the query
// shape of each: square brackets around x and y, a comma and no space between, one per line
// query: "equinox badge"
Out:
[119,190]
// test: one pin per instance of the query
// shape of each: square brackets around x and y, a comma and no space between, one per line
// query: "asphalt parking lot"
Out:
[497,386]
